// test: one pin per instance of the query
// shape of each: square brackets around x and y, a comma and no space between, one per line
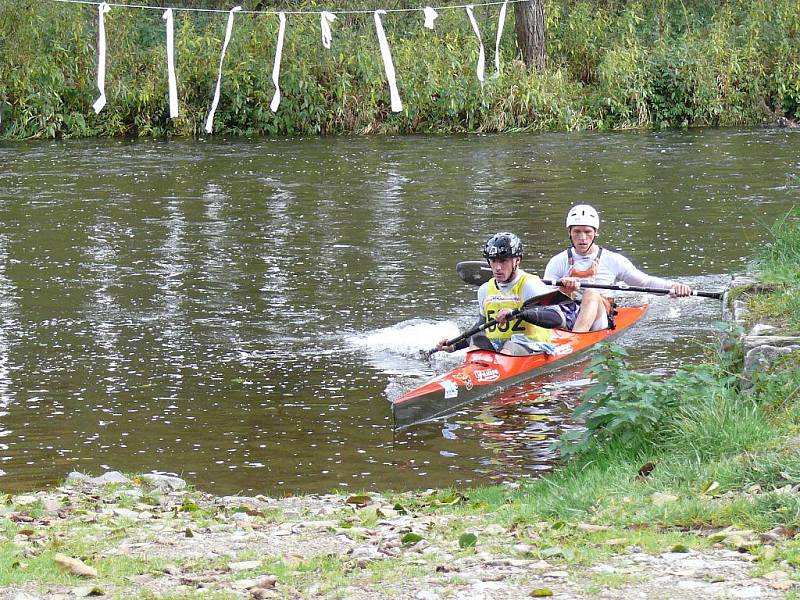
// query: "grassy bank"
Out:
[611,65]
[779,264]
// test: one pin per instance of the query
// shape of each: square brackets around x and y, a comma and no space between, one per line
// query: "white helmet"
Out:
[583,214]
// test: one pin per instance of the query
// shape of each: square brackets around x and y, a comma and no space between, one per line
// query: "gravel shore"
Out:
[152,537]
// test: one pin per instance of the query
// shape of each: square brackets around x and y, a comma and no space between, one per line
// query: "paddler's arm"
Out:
[549,317]
[442,345]
[557,269]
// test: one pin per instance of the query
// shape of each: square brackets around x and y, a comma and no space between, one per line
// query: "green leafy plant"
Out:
[630,408]
[467,540]
[621,404]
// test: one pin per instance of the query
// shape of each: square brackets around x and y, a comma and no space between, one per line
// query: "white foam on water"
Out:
[398,350]
[407,338]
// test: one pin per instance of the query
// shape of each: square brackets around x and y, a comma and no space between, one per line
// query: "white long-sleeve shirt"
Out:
[613,268]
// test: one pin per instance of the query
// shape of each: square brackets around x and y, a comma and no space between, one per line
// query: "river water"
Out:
[240,312]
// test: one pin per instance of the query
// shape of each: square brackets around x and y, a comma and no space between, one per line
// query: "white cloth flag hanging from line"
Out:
[388,65]
[481,55]
[430,16]
[276,67]
[101,57]
[215,101]
[325,20]
[500,22]
[173,82]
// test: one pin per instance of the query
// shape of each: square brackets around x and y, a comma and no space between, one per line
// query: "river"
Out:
[239,311]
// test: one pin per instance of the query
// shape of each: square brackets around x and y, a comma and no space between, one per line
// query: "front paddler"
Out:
[585,261]
[507,291]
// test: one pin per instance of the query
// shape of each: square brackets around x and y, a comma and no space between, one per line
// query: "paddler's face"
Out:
[582,237]
[503,269]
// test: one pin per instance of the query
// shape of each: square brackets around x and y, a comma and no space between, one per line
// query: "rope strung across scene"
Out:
[293,12]
[326,19]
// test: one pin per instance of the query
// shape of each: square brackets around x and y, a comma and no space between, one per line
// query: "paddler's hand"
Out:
[443,347]
[569,285]
[503,315]
[680,289]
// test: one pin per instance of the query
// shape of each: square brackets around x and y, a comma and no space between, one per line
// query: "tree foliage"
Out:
[610,65]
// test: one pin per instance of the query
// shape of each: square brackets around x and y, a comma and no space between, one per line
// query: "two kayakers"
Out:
[585,261]
[508,290]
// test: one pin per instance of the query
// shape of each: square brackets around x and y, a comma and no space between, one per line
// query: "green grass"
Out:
[16,568]
[780,259]
[778,308]
[206,595]
[779,264]
[605,581]
[717,424]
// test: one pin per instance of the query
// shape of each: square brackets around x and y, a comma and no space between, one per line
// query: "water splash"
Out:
[408,338]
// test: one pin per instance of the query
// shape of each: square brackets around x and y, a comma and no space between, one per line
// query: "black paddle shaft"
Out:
[478,272]
[543,300]
[630,288]
[469,333]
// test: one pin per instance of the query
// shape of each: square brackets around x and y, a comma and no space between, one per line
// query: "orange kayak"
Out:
[486,373]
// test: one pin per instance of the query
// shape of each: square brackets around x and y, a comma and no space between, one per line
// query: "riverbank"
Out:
[151,537]
[609,67]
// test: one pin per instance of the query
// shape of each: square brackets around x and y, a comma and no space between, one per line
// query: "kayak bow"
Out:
[485,373]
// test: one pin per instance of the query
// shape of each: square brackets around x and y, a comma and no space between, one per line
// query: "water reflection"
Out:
[7,326]
[239,311]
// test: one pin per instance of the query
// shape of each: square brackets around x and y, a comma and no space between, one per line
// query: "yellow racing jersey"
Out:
[496,300]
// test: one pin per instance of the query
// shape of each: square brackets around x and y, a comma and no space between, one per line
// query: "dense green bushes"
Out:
[619,65]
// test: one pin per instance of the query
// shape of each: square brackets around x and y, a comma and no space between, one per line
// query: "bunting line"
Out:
[289,12]
[501,21]
[481,54]
[388,65]
[326,19]
[430,16]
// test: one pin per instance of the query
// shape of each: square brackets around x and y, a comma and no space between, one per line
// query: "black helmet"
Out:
[502,245]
